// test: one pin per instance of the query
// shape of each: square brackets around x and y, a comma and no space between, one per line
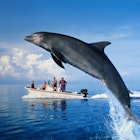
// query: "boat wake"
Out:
[99,96]
[122,127]
[135,94]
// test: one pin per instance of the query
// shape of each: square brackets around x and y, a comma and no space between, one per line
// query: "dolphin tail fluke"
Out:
[132,116]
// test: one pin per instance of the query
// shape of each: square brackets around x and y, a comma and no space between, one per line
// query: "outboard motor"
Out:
[85,92]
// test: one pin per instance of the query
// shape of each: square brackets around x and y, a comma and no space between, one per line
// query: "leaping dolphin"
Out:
[89,58]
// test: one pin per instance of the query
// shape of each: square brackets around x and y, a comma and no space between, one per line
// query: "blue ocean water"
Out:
[63,119]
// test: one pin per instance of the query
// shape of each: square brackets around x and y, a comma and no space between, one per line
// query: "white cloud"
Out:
[117,33]
[31,63]
[125,73]
[22,64]
[28,63]
[32,58]
[6,67]
[44,69]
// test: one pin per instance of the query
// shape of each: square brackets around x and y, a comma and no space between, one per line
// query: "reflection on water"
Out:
[54,108]
[55,119]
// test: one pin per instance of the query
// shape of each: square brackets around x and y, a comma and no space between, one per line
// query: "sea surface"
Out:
[64,119]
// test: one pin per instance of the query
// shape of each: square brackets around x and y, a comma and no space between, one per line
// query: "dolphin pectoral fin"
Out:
[57,61]
[100,45]
[58,55]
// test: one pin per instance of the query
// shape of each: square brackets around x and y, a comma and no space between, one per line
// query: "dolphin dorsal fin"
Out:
[100,45]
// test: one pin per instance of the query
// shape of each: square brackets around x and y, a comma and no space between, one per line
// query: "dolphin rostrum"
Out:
[89,58]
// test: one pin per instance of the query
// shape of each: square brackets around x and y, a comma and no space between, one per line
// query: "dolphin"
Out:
[88,57]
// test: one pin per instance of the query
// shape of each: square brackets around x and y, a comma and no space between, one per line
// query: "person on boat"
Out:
[32,85]
[44,86]
[62,84]
[54,84]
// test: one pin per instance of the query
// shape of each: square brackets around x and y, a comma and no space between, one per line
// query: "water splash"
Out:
[123,128]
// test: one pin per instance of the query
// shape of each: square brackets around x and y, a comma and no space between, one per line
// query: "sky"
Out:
[91,21]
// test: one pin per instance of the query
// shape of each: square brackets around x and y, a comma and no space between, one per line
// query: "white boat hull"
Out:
[49,93]
[37,93]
